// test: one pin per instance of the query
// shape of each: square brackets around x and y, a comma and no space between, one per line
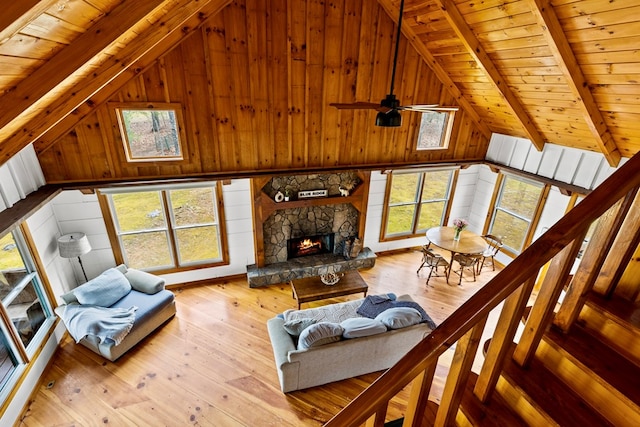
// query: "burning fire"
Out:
[308,244]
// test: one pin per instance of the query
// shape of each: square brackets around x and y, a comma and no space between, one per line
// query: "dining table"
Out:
[468,244]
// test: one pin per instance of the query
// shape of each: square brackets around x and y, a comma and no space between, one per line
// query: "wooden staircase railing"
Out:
[615,202]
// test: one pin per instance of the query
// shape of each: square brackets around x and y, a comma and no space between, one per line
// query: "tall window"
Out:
[25,311]
[415,202]
[435,130]
[172,228]
[516,207]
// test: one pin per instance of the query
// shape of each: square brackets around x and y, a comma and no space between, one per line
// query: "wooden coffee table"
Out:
[312,289]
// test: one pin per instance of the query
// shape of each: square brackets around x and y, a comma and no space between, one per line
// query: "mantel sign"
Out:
[311,193]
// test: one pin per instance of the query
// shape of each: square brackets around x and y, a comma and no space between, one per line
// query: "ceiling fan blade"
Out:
[426,108]
[355,105]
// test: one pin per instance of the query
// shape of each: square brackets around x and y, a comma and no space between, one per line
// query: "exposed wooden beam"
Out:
[70,121]
[28,93]
[17,14]
[175,14]
[566,59]
[443,76]
[475,49]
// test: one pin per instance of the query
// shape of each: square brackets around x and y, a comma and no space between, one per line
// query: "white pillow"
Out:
[320,334]
[357,327]
[399,317]
[104,290]
[296,326]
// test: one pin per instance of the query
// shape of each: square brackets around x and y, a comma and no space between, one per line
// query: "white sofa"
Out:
[347,358]
[155,305]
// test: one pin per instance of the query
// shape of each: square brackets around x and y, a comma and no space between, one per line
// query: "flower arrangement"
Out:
[459,224]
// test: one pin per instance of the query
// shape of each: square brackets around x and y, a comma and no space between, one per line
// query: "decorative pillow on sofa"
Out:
[104,290]
[399,317]
[362,327]
[320,334]
[296,326]
[145,282]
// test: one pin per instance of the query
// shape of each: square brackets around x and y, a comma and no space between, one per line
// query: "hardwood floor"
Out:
[212,365]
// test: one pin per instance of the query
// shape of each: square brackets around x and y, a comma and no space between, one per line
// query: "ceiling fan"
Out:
[389,108]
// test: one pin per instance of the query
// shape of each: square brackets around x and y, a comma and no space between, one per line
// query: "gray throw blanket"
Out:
[106,323]
[375,304]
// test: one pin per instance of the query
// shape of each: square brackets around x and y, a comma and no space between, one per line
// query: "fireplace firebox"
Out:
[310,245]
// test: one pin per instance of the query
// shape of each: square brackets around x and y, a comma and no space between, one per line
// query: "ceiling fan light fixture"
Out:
[391,119]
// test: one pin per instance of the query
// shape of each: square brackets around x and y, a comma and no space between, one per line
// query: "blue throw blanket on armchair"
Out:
[106,323]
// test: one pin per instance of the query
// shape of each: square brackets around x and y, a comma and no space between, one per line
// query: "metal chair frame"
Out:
[494,245]
[432,260]
[466,261]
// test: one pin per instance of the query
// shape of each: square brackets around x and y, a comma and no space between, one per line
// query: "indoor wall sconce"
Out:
[74,245]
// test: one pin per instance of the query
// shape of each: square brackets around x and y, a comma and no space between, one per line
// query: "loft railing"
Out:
[609,203]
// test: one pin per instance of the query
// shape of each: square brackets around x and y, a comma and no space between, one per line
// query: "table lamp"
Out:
[74,245]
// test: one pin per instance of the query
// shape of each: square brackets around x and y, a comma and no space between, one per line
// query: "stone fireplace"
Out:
[310,245]
[341,213]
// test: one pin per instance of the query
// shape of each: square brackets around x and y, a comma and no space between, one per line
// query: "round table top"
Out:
[469,243]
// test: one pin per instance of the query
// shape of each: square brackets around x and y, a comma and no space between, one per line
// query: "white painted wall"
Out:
[19,177]
[81,212]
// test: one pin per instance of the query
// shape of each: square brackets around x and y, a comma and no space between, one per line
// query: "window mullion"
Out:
[173,246]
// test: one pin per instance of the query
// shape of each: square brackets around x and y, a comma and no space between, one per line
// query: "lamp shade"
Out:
[73,245]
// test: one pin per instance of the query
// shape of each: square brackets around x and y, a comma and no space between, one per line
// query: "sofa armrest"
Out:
[280,340]
[144,282]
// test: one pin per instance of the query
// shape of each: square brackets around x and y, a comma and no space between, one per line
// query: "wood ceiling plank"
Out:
[443,76]
[17,14]
[562,52]
[69,60]
[169,28]
[474,47]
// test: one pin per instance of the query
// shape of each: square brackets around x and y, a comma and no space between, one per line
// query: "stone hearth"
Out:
[310,266]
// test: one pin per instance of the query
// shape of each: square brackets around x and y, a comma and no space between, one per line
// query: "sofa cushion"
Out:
[104,290]
[358,327]
[144,282]
[320,334]
[296,326]
[148,305]
[399,317]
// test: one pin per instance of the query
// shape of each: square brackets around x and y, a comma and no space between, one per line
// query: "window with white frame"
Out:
[515,209]
[435,130]
[26,312]
[168,228]
[415,202]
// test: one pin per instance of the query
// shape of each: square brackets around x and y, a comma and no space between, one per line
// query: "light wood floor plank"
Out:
[212,365]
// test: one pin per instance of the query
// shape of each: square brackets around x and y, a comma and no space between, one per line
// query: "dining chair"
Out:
[494,245]
[432,260]
[466,261]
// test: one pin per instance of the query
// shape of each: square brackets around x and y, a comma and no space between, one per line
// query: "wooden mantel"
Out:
[264,206]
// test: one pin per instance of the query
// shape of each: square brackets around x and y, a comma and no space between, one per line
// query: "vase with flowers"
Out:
[459,224]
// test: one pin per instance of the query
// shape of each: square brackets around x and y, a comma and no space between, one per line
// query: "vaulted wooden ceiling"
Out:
[562,71]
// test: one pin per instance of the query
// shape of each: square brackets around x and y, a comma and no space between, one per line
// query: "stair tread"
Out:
[494,413]
[598,357]
[550,394]
[616,307]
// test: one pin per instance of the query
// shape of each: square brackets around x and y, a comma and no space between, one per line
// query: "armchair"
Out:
[116,310]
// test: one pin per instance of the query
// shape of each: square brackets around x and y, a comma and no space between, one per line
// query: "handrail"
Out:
[491,295]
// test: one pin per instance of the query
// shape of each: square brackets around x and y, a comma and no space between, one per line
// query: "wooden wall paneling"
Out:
[361,122]
[90,136]
[197,106]
[275,91]
[155,83]
[220,73]
[241,85]
[349,72]
[297,59]
[380,80]
[172,69]
[333,78]
[314,149]
[260,46]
